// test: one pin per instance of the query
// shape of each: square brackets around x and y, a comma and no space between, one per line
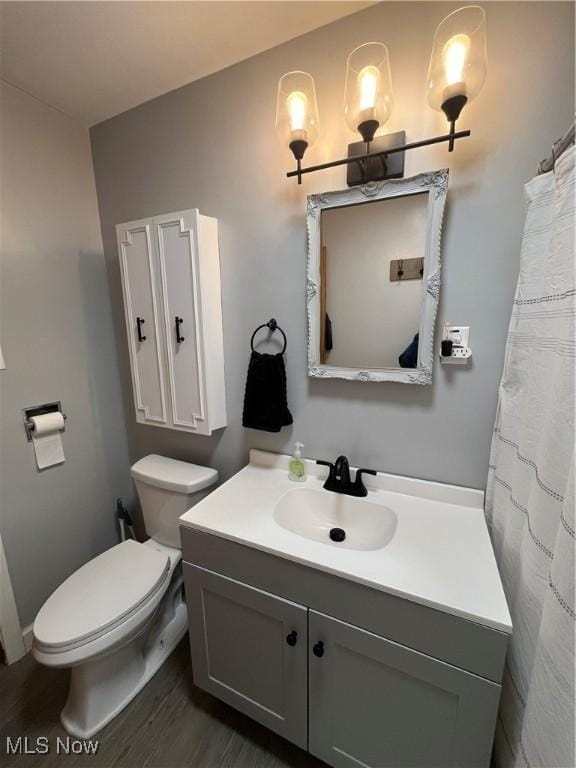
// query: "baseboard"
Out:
[27,637]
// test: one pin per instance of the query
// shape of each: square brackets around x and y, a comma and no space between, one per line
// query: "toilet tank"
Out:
[167,488]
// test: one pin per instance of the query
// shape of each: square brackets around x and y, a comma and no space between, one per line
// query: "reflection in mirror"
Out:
[371,282]
[374,279]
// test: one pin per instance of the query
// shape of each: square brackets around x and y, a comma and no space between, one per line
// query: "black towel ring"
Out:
[273,326]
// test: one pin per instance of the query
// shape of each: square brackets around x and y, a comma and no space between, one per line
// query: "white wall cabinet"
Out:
[171,284]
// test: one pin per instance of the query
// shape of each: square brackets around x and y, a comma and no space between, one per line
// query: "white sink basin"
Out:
[313,514]
[411,538]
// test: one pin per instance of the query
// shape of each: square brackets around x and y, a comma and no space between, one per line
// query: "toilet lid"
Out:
[101,593]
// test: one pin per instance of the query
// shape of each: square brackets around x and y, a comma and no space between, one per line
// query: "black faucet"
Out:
[338,479]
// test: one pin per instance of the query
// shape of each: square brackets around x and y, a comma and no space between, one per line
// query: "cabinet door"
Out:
[180,279]
[376,703]
[137,263]
[249,648]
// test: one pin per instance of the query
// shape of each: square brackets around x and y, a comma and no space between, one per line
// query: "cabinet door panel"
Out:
[240,653]
[137,263]
[179,271]
[376,703]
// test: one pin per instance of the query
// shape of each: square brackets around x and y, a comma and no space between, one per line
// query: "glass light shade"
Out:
[297,121]
[368,97]
[457,69]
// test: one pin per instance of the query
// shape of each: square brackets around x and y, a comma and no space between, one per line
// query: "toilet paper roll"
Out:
[47,439]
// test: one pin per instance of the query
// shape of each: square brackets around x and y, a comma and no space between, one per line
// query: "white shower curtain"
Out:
[530,494]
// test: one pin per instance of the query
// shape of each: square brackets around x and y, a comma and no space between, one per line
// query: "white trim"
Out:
[436,185]
[10,629]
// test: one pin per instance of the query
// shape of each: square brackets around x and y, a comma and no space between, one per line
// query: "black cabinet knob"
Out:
[318,649]
[292,638]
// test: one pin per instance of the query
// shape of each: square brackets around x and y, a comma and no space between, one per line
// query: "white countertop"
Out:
[440,556]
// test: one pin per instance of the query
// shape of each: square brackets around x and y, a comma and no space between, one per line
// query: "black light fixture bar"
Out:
[450,137]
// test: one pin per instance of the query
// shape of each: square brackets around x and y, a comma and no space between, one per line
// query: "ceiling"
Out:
[93,60]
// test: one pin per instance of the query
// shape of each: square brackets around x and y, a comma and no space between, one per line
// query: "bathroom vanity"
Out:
[385,649]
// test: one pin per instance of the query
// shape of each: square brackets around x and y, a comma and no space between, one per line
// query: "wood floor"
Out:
[171,723]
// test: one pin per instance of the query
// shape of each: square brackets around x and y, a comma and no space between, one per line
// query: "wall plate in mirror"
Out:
[365,322]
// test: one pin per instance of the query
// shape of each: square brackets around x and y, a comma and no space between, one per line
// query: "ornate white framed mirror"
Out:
[373,280]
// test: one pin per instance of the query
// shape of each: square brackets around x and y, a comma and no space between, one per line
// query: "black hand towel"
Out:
[265,403]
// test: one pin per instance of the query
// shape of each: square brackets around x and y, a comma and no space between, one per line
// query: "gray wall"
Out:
[58,341]
[212,145]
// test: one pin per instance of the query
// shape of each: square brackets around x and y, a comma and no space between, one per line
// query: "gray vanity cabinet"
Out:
[373,702]
[249,648]
[368,679]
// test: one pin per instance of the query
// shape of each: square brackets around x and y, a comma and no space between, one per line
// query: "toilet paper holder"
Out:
[39,410]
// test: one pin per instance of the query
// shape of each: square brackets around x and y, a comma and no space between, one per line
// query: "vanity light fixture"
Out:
[457,69]
[456,75]
[297,113]
[368,97]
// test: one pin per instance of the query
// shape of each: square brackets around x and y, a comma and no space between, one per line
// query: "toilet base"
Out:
[100,689]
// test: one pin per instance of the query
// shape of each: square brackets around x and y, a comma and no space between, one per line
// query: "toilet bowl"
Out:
[117,619]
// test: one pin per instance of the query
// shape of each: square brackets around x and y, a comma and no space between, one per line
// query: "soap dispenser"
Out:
[296,466]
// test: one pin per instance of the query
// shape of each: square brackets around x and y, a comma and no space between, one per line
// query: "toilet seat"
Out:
[101,595]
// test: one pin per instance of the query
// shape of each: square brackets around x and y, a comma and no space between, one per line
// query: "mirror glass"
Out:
[372,268]
[373,279]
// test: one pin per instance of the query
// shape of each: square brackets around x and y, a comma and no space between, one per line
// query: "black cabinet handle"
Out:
[318,649]
[292,638]
[139,323]
[178,323]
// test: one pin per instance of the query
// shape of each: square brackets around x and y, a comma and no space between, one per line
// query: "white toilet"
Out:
[117,619]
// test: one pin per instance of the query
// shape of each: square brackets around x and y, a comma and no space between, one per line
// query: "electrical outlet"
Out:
[460,337]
